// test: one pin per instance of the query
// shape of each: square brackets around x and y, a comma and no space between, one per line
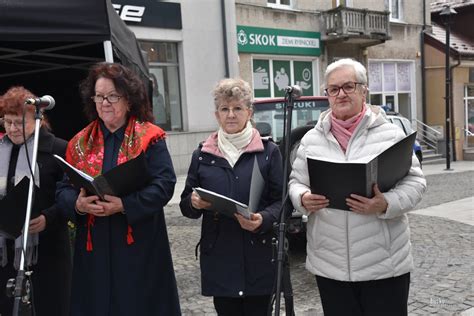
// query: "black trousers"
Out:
[379,297]
[245,306]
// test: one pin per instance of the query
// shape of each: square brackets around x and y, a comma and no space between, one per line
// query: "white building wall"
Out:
[201,66]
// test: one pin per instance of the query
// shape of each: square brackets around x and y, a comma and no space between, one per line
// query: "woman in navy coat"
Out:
[235,253]
[122,259]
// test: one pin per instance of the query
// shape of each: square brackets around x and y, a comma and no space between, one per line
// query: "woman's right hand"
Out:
[199,203]
[86,204]
[313,202]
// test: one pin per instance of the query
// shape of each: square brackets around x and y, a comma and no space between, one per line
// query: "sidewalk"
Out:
[456,166]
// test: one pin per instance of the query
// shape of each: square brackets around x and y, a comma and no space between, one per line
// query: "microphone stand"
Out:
[19,288]
[283,269]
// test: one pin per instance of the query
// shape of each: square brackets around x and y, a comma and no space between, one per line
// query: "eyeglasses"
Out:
[348,88]
[225,110]
[113,98]
[10,123]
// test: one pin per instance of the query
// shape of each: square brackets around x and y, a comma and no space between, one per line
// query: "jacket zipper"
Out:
[347,247]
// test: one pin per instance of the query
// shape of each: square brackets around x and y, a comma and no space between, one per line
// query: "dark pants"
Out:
[379,297]
[246,306]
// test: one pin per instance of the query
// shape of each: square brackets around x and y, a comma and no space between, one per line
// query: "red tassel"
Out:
[129,236]
[90,223]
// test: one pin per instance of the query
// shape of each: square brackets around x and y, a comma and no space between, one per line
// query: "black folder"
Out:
[13,209]
[119,181]
[228,206]
[337,180]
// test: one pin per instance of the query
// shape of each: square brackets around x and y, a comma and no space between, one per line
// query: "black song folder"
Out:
[119,181]
[337,180]
[13,209]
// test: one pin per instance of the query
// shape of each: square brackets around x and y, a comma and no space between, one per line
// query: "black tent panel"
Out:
[48,46]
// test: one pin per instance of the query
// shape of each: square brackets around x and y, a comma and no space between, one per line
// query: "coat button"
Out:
[241,293]
[237,177]
[264,241]
[213,161]
[200,158]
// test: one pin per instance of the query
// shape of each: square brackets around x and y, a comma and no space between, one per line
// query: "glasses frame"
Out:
[342,88]
[225,110]
[106,97]
[12,123]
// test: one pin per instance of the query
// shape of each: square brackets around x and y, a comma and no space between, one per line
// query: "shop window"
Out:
[390,84]
[272,76]
[164,72]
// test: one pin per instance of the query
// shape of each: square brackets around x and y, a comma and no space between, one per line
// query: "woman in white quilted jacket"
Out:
[362,257]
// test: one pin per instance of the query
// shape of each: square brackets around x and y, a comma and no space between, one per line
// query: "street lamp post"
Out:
[447,15]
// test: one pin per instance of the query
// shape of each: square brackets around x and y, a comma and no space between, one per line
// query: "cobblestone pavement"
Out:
[442,283]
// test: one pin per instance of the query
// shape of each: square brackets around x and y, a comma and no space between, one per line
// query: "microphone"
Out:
[46,102]
[295,91]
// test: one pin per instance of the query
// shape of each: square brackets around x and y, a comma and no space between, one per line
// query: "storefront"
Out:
[272,59]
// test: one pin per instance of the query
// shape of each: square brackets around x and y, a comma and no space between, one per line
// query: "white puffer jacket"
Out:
[347,246]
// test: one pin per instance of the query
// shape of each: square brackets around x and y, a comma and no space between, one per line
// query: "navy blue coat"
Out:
[234,261]
[117,279]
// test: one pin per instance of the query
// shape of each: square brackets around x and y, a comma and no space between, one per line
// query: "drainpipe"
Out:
[423,70]
[224,35]
[453,128]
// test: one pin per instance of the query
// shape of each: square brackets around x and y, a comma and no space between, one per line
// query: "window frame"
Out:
[400,10]
[278,5]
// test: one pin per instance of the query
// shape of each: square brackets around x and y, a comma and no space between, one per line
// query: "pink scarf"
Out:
[343,130]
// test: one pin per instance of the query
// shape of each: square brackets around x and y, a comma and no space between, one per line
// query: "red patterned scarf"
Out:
[85,151]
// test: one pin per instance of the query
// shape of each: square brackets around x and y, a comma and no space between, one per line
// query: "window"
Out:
[395,8]
[164,72]
[390,84]
[272,76]
[345,3]
[279,3]
[469,113]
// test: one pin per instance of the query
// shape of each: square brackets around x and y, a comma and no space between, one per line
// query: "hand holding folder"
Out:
[13,209]
[121,180]
[228,206]
[337,180]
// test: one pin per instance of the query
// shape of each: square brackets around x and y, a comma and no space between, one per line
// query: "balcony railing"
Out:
[360,24]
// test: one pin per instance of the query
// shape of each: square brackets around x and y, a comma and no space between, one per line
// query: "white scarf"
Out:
[233,145]
[21,171]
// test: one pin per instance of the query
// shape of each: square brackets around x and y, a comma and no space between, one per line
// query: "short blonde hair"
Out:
[231,89]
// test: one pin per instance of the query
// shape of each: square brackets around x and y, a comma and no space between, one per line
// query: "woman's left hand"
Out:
[362,205]
[37,225]
[111,205]
[251,224]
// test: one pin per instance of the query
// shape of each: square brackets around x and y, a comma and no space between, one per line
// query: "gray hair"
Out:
[230,89]
[359,69]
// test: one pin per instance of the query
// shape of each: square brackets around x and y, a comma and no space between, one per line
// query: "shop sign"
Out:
[277,41]
[149,13]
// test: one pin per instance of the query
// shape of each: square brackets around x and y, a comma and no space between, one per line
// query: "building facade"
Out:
[190,45]
[272,44]
[386,38]
[461,87]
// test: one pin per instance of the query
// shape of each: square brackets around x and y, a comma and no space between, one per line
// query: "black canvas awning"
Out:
[48,46]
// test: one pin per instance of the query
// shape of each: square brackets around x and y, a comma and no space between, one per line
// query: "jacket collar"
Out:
[374,116]
[210,144]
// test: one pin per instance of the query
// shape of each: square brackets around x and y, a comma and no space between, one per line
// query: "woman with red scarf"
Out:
[122,259]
